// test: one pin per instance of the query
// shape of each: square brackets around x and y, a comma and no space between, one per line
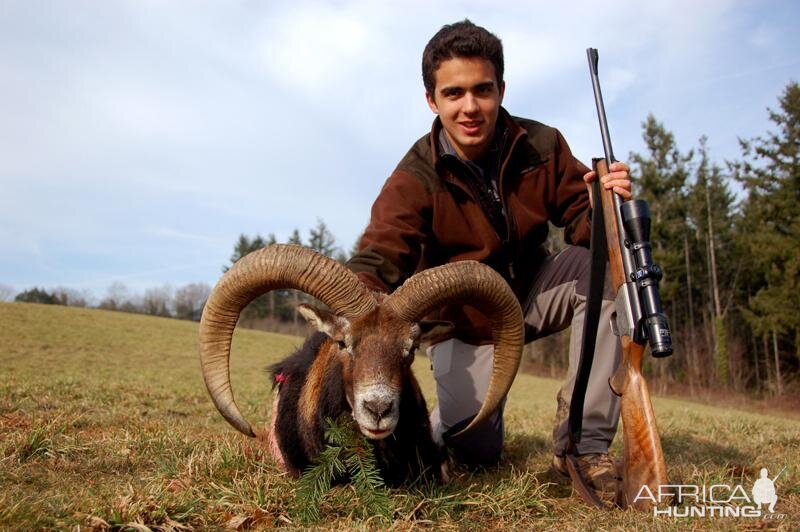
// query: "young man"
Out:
[483,185]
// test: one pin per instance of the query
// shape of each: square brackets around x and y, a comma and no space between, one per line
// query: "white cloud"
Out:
[617,82]
[144,112]
[316,48]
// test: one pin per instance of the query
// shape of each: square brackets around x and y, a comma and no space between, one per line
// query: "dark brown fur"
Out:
[402,456]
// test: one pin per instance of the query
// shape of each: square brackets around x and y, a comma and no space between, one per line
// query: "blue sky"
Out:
[139,139]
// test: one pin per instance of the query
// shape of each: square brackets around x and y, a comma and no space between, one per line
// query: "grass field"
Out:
[105,424]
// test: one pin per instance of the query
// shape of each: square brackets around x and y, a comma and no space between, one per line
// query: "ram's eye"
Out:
[341,344]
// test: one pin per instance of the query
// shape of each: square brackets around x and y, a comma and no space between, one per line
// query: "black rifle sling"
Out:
[599,252]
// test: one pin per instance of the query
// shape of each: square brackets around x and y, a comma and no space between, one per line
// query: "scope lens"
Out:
[658,336]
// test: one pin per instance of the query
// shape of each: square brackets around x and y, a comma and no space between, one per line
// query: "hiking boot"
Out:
[597,469]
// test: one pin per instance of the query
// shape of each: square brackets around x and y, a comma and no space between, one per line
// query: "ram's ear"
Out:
[324,320]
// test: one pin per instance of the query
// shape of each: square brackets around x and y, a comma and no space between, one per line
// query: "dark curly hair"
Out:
[461,39]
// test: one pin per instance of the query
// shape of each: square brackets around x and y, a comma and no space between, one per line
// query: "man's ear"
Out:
[322,320]
[502,88]
[431,102]
[432,330]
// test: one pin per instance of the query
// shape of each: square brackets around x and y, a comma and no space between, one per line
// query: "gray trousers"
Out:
[462,371]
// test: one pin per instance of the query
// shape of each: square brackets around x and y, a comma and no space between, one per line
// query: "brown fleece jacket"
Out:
[427,215]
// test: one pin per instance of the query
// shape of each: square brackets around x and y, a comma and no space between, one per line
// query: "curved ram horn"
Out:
[478,285]
[270,268]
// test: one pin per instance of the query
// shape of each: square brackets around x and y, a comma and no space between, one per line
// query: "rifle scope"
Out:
[636,219]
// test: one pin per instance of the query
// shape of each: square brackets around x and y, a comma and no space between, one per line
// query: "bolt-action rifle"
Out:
[639,320]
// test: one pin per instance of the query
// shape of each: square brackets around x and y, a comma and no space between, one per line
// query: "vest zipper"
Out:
[510,242]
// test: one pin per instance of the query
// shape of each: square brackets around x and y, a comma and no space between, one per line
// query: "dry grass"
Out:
[105,424]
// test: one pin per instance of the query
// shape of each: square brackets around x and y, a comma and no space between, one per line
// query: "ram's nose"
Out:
[378,408]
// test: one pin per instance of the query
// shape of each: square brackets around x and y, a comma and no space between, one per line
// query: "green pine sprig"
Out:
[348,455]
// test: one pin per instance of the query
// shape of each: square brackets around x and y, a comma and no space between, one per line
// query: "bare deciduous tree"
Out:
[72,297]
[117,298]
[6,292]
[157,301]
[190,299]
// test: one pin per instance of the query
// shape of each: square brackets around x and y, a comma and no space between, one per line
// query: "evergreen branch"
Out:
[348,453]
[369,486]
[316,482]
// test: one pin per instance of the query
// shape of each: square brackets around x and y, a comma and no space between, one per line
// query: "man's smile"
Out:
[471,127]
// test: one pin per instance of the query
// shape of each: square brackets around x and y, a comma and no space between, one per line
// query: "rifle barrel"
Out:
[594,58]
[628,260]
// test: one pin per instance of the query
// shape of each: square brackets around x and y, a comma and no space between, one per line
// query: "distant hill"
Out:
[96,346]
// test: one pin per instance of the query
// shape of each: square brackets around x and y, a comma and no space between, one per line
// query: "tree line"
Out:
[275,311]
[185,302]
[731,262]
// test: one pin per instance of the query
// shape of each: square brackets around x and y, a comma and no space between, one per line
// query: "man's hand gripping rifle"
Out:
[639,320]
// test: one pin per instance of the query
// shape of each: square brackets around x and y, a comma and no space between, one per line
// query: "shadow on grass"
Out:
[682,451]
[693,450]
[518,448]
[524,453]
[532,454]
[523,449]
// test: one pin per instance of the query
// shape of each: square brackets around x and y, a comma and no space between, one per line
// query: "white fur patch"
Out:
[371,427]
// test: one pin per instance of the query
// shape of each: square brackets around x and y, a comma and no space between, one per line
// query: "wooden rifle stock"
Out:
[643,459]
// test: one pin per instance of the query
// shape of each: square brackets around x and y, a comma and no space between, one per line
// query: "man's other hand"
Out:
[617,179]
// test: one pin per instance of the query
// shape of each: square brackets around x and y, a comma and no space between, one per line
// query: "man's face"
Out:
[467,99]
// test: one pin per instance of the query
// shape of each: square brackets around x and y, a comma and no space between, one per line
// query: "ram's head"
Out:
[374,334]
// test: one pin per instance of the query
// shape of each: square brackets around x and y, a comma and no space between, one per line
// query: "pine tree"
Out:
[244,246]
[321,239]
[295,296]
[660,177]
[261,306]
[37,295]
[711,214]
